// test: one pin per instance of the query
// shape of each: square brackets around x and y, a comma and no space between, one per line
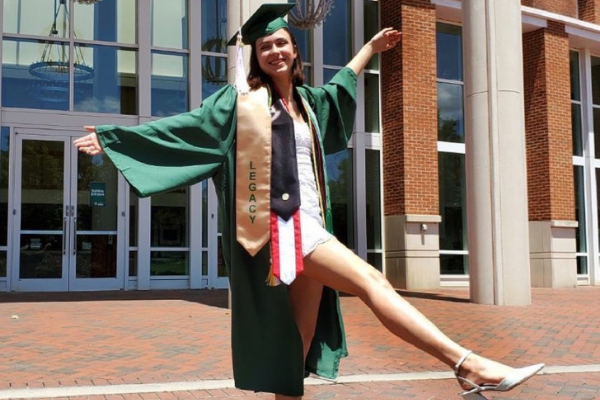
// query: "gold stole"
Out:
[253,170]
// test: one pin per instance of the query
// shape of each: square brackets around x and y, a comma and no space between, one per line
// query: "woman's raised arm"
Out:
[382,41]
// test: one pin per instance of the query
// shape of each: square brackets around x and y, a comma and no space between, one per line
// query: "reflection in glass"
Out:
[576,129]
[340,174]
[371,103]
[169,263]
[133,217]
[596,116]
[113,89]
[574,67]
[450,113]
[328,74]
[204,214]
[454,264]
[204,263]
[303,41]
[96,256]
[41,256]
[337,34]
[371,10]
[24,90]
[449,52]
[453,228]
[595,80]
[4,154]
[214,74]
[133,263]
[169,219]
[2,264]
[308,76]
[582,265]
[96,194]
[107,20]
[376,260]
[214,26]
[373,195]
[169,84]
[169,24]
[33,17]
[221,267]
[42,183]
[580,236]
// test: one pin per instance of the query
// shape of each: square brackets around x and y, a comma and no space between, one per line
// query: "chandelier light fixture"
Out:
[52,70]
[87,1]
[309,13]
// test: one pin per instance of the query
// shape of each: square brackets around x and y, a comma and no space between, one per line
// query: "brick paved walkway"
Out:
[113,338]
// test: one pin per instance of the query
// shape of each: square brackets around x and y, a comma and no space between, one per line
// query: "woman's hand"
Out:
[385,40]
[89,144]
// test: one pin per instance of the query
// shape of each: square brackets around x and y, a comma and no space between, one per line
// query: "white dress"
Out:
[311,222]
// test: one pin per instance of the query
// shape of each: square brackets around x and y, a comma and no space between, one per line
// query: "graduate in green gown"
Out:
[282,332]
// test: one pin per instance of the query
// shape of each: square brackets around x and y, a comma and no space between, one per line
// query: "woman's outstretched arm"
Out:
[382,41]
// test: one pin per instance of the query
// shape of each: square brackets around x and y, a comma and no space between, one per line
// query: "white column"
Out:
[495,153]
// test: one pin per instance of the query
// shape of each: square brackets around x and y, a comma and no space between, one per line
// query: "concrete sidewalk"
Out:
[175,344]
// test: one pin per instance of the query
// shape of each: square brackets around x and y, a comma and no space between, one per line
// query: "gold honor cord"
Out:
[253,170]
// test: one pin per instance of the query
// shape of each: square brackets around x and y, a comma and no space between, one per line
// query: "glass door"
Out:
[66,217]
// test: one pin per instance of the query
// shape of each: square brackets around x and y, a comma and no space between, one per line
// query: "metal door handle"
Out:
[74,236]
[64,240]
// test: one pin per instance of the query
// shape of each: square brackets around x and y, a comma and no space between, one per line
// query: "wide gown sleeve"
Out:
[334,105]
[175,151]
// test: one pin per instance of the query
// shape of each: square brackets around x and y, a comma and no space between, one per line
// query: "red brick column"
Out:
[549,155]
[410,160]
[548,124]
[589,10]
[563,7]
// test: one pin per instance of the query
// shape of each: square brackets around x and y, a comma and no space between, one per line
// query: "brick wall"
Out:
[563,7]
[589,10]
[409,110]
[548,124]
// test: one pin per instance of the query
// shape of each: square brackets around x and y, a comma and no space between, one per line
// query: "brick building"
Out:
[433,189]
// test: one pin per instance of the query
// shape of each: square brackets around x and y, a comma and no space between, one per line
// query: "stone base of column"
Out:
[412,259]
[552,253]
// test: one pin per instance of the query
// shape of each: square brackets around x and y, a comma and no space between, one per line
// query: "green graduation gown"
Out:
[185,149]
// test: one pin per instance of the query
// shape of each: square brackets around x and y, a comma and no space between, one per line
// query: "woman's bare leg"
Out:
[334,265]
[305,296]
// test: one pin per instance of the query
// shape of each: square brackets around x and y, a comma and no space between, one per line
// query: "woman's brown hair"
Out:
[257,77]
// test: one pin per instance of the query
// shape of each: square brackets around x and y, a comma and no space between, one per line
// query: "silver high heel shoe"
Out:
[514,379]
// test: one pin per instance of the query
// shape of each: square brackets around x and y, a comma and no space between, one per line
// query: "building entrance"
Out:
[64,235]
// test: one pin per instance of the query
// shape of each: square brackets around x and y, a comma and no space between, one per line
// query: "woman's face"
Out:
[276,53]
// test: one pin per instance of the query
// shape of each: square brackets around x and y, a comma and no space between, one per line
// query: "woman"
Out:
[282,332]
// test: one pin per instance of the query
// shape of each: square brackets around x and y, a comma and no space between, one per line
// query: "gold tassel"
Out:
[271,279]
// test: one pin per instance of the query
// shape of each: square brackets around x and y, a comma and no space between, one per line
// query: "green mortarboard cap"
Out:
[266,20]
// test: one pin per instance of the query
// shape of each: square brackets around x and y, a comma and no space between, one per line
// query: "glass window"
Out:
[576,128]
[450,113]
[337,34]
[214,74]
[169,84]
[328,74]
[36,17]
[169,216]
[214,26]
[454,264]
[4,153]
[2,264]
[453,228]
[107,20]
[113,85]
[169,24]
[449,52]
[339,172]
[26,83]
[169,263]
[580,237]
[303,42]
[575,83]
[133,232]
[373,195]
[371,10]
[596,115]
[372,103]
[595,80]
